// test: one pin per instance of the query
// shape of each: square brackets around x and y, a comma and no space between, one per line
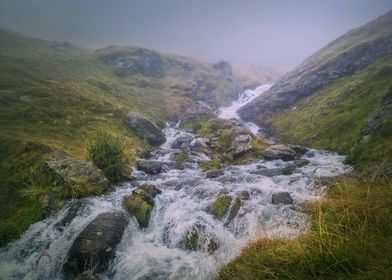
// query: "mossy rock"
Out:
[141,209]
[198,239]
[225,208]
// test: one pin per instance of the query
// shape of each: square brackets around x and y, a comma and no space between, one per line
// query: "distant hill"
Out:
[339,98]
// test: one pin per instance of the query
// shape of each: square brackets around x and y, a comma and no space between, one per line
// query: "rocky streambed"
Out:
[173,220]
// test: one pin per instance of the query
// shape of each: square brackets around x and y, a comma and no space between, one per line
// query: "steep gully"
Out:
[156,252]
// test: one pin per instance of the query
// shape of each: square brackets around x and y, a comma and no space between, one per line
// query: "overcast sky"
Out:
[277,33]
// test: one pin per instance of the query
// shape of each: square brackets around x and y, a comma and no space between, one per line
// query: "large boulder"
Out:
[141,203]
[279,152]
[94,248]
[201,145]
[149,166]
[75,171]
[241,145]
[145,128]
[281,198]
[197,112]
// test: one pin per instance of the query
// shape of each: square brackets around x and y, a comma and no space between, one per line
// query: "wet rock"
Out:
[289,169]
[149,166]
[225,208]
[145,128]
[214,173]
[141,203]
[298,149]
[94,248]
[279,152]
[199,239]
[201,145]
[76,171]
[241,145]
[243,195]
[197,112]
[301,162]
[72,212]
[268,172]
[282,198]
[182,142]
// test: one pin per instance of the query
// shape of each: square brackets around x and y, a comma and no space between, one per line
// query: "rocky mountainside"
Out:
[335,98]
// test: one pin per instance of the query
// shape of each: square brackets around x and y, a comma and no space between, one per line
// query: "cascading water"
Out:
[155,252]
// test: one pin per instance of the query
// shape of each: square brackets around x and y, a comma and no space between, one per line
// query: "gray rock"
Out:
[279,152]
[76,171]
[94,248]
[197,112]
[149,166]
[144,128]
[301,162]
[214,173]
[298,149]
[72,212]
[243,195]
[241,145]
[182,142]
[268,172]
[282,198]
[201,145]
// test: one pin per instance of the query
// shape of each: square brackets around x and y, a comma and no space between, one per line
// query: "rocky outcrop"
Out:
[145,128]
[343,57]
[182,142]
[197,112]
[281,198]
[224,67]
[141,203]
[75,171]
[94,248]
[279,152]
[241,145]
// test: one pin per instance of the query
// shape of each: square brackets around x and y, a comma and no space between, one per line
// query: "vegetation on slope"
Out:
[350,238]
[336,116]
[55,96]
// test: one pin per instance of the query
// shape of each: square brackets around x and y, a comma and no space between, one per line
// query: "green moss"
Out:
[221,206]
[210,165]
[138,207]
[181,157]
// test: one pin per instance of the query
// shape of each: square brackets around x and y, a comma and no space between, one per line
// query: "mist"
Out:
[259,33]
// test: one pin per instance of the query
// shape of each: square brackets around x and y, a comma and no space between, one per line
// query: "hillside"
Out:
[338,98]
[57,96]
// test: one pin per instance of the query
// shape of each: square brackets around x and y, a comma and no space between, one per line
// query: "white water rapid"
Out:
[154,252]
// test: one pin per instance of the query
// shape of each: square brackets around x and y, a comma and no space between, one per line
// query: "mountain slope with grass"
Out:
[339,98]
[57,96]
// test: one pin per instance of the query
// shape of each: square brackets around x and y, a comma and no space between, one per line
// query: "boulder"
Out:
[145,128]
[214,173]
[279,152]
[141,203]
[94,248]
[282,198]
[199,239]
[197,112]
[243,195]
[201,145]
[225,208]
[301,162]
[149,166]
[241,145]
[76,171]
[182,142]
[239,130]
[298,149]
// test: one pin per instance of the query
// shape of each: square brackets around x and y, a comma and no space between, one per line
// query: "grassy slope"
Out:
[334,117]
[350,238]
[69,95]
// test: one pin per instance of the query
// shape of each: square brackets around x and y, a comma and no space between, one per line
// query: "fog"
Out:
[274,33]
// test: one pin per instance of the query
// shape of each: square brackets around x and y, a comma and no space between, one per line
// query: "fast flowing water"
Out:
[155,252]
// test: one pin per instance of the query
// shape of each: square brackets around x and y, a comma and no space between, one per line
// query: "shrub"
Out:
[107,154]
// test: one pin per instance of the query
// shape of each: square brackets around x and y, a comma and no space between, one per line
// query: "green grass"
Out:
[350,238]
[334,117]
[59,99]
